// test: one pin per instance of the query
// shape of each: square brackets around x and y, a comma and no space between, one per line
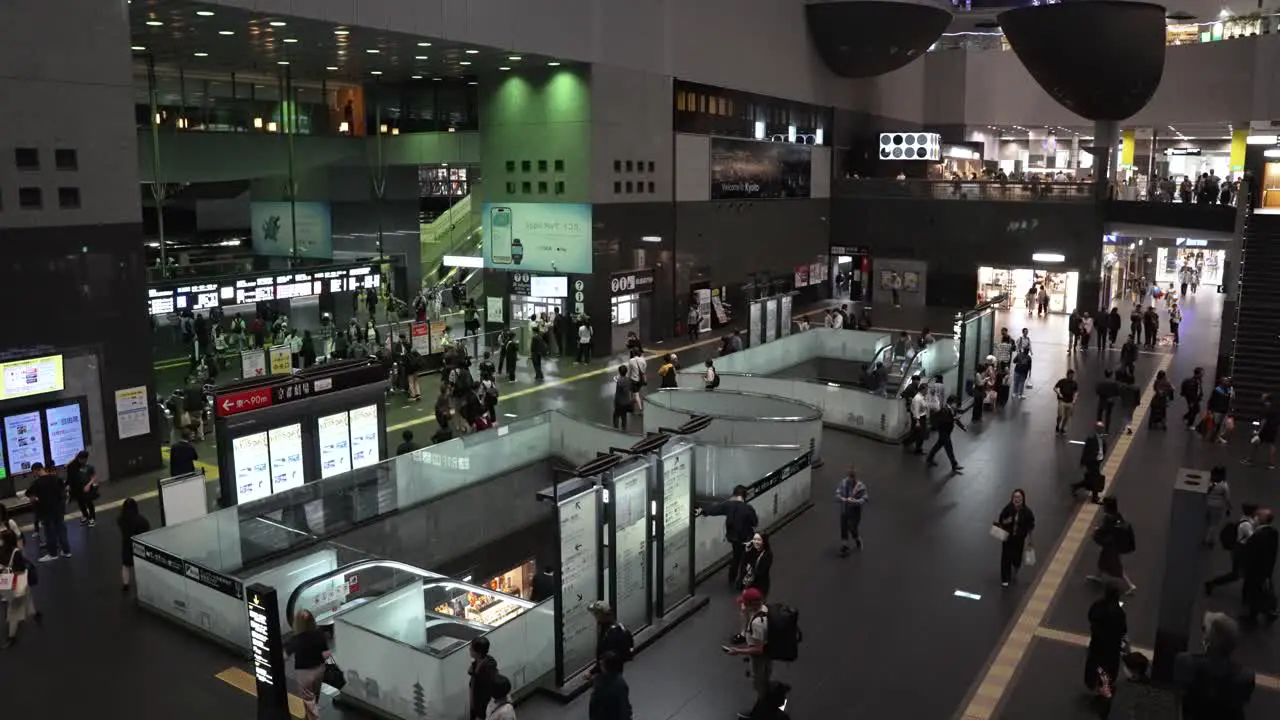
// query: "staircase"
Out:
[1256,348]
[455,232]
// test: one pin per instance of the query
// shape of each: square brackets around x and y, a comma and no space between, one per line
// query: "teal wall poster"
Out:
[537,237]
[272,225]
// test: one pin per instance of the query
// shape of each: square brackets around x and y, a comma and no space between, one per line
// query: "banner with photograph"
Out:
[537,237]
[273,225]
[756,169]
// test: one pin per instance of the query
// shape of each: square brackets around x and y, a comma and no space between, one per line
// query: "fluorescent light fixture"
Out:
[967,595]
[464,62]
[277,23]
[504,68]
[1271,153]
[154,23]
[344,127]
[1048,257]
[332,67]
[759,134]
[291,40]
[137,48]
[1251,140]
[226,32]
[473,52]
[272,126]
[257,123]
[382,128]
[282,62]
[373,51]
[791,133]
[514,58]
[1075,442]
[395,131]
[419,57]
[817,136]
[205,13]
[463,261]
[651,238]
[341,31]
[201,54]
[473,82]
[415,77]
[375,72]
[553,63]
[424,44]
[437,79]
[510,415]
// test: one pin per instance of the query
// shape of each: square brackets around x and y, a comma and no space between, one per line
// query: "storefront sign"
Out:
[133,415]
[224,584]
[540,237]
[759,169]
[521,283]
[301,388]
[848,250]
[419,334]
[1175,152]
[632,282]
[281,360]
[268,653]
[243,401]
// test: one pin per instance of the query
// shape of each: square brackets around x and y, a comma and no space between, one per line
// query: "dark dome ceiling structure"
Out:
[1100,59]
[866,38]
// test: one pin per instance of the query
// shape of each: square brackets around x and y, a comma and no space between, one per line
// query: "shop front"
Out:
[534,297]
[1015,283]
[1192,254]
[848,268]
[630,308]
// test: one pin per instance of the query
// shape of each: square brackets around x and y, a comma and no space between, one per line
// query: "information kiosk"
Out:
[277,433]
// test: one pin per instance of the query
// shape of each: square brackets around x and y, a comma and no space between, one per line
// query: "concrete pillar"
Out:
[1180,584]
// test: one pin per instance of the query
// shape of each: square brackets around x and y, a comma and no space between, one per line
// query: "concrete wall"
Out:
[631,122]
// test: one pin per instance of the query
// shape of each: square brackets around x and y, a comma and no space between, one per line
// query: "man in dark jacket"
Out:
[1214,686]
[740,522]
[1259,566]
[1108,391]
[1192,391]
[1095,451]
[610,694]
[483,672]
[183,456]
[50,496]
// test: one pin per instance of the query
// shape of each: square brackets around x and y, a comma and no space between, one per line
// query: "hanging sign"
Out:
[268,652]
[631,282]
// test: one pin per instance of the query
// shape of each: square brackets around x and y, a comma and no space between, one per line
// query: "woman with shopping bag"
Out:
[14,585]
[1013,528]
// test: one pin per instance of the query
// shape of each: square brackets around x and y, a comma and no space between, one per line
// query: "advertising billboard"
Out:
[757,169]
[30,377]
[273,225]
[537,237]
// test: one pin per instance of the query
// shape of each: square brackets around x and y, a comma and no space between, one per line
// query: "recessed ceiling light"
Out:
[332,67]
[473,52]
[201,54]
[504,68]
[205,13]
[341,31]
[419,57]
[473,82]
[514,57]
[154,23]
[424,44]
[373,51]
[553,64]
[277,23]
[415,77]
[437,79]
[291,40]
[282,62]
[226,32]
[375,72]
[464,62]
[137,48]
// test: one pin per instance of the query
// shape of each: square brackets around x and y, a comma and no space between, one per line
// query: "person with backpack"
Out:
[667,373]
[1115,538]
[693,323]
[710,378]
[1232,537]
[612,638]
[852,495]
[1258,566]
[755,644]
[740,521]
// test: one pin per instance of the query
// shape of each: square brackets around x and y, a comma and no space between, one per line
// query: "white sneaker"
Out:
[66,554]
[47,558]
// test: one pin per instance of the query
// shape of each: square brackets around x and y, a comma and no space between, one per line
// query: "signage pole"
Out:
[268,652]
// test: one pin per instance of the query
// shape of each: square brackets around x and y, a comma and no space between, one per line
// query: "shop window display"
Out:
[1170,261]
[1014,283]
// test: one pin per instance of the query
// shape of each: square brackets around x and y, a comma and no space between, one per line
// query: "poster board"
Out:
[281,360]
[677,528]
[579,525]
[630,546]
[133,414]
[253,364]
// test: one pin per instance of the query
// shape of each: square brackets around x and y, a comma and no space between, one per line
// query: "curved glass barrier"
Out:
[350,586]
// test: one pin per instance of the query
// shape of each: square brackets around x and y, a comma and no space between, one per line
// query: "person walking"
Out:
[755,615]
[1135,323]
[1219,408]
[482,678]
[1108,391]
[132,523]
[1264,438]
[309,649]
[852,496]
[1114,538]
[610,694]
[946,420]
[693,322]
[757,564]
[1091,457]
[1129,355]
[1130,696]
[636,376]
[21,605]
[1108,631]
[1017,521]
[667,372]
[1217,504]
[740,521]
[1073,330]
[1192,391]
[1175,321]
[1233,539]
[1066,391]
[407,445]
[1021,371]
[1259,567]
[584,341]
[1114,323]
[622,393]
[76,483]
[1162,395]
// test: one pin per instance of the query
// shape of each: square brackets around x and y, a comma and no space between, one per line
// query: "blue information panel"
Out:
[537,237]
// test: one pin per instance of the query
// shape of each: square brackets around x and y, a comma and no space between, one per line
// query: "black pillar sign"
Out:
[268,652]
[631,282]
[521,283]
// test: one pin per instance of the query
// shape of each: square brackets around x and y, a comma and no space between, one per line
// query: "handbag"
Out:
[333,676]
[999,533]
[1029,556]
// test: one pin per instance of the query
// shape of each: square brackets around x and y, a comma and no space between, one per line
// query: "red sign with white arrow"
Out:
[243,401]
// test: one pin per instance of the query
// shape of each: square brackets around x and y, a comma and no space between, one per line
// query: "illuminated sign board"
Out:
[173,297]
[268,652]
[32,376]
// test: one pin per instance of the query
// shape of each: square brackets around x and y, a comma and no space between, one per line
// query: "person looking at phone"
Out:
[755,616]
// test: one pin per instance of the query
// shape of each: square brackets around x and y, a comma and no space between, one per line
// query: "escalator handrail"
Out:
[350,567]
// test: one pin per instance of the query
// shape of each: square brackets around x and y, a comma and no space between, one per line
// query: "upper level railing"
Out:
[1007,191]
[1234,28]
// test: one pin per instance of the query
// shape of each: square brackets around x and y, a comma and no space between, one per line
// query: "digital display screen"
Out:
[286,458]
[335,445]
[33,376]
[364,437]
[251,459]
[25,441]
[549,287]
[246,291]
[66,433]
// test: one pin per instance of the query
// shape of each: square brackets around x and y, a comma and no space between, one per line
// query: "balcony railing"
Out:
[1233,28]
[990,190]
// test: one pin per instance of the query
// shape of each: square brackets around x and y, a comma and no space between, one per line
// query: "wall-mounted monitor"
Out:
[252,460]
[549,286]
[33,376]
[65,425]
[334,438]
[24,441]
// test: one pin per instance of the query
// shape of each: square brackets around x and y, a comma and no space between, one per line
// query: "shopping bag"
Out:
[999,533]
[333,676]
[6,581]
[1029,557]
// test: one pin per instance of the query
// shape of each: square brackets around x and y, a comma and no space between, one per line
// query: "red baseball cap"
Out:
[751,595]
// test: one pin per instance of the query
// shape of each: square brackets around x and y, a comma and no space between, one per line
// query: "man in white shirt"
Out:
[584,341]
[635,375]
[1244,526]
[920,417]
[837,320]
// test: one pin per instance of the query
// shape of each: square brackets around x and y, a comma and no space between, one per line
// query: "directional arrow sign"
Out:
[243,401]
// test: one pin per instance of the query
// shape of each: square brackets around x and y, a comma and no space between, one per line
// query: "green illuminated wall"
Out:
[535,136]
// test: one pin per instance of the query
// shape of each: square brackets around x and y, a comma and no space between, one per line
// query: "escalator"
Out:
[348,587]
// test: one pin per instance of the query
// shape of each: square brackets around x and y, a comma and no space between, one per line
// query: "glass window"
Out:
[625,309]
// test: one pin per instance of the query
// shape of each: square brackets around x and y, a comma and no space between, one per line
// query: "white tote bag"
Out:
[999,533]
[1029,556]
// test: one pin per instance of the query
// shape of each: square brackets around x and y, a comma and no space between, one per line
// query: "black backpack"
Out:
[1126,541]
[782,633]
[715,381]
[1229,536]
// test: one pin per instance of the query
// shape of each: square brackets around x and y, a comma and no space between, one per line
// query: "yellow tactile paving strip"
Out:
[244,682]
[999,674]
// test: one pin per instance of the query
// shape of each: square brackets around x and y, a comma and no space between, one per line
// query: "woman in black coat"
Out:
[1018,521]
[757,563]
[1108,627]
